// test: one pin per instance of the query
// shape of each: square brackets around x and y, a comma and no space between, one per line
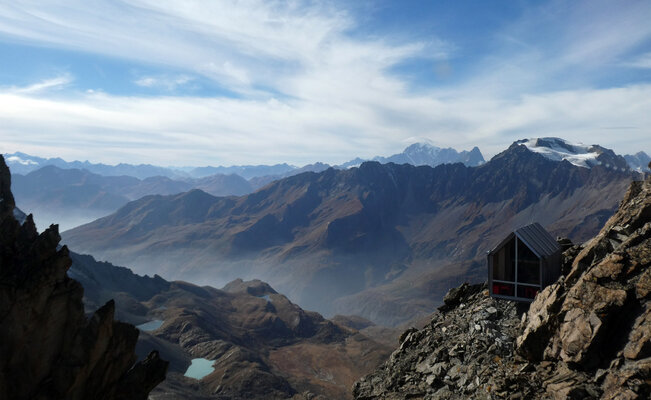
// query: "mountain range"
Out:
[71,197]
[426,154]
[415,154]
[79,196]
[74,193]
[383,241]
[21,163]
[90,191]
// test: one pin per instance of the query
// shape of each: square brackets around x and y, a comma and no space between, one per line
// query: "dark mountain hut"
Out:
[525,262]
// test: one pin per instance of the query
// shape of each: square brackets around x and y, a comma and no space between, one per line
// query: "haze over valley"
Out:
[341,241]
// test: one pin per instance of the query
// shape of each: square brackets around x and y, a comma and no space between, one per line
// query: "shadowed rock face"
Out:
[586,336]
[48,348]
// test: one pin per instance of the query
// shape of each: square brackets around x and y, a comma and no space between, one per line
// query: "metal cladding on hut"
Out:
[524,263]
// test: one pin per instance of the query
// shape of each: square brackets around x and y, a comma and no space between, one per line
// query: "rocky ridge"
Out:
[454,356]
[48,348]
[586,336]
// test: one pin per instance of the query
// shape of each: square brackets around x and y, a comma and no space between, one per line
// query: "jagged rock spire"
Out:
[48,349]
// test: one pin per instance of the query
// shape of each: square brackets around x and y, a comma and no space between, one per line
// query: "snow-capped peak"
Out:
[17,160]
[420,153]
[579,154]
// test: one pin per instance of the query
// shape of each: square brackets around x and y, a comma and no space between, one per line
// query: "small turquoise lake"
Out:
[199,368]
[150,326]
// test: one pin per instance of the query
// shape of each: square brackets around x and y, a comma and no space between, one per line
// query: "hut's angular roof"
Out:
[538,240]
[535,237]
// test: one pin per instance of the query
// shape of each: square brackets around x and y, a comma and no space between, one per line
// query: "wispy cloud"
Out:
[45,85]
[239,44]
[187,130]
[307,90]
[643,61]
[165,82]
[560,45]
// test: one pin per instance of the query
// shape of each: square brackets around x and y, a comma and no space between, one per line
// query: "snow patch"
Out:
[18,160]
[559,149]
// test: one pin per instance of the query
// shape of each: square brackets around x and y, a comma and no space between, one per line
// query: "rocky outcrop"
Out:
[48,348]
[454,357]
[586,336]
[597,319]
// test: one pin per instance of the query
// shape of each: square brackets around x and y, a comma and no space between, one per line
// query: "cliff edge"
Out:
[48,348]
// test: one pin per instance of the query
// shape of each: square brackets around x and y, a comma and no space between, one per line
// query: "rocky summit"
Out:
[586,336]
[48,348]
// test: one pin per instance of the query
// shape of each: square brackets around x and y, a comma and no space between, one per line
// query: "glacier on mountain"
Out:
[579,154]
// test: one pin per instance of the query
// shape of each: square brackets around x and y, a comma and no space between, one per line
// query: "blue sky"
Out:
[241,82]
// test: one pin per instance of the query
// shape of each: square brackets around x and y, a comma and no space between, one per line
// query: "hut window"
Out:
[504,263]
[520,264]
[528,265]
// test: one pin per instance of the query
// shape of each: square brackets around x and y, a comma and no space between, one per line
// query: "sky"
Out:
[189,83]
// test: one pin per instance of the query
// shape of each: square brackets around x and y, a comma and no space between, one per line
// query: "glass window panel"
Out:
[504,262]
[528,265]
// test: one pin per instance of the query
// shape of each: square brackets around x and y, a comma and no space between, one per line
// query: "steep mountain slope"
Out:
[639,161]
[587,336]
[260,344]
[48,348]
[366,231]
[71,197]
